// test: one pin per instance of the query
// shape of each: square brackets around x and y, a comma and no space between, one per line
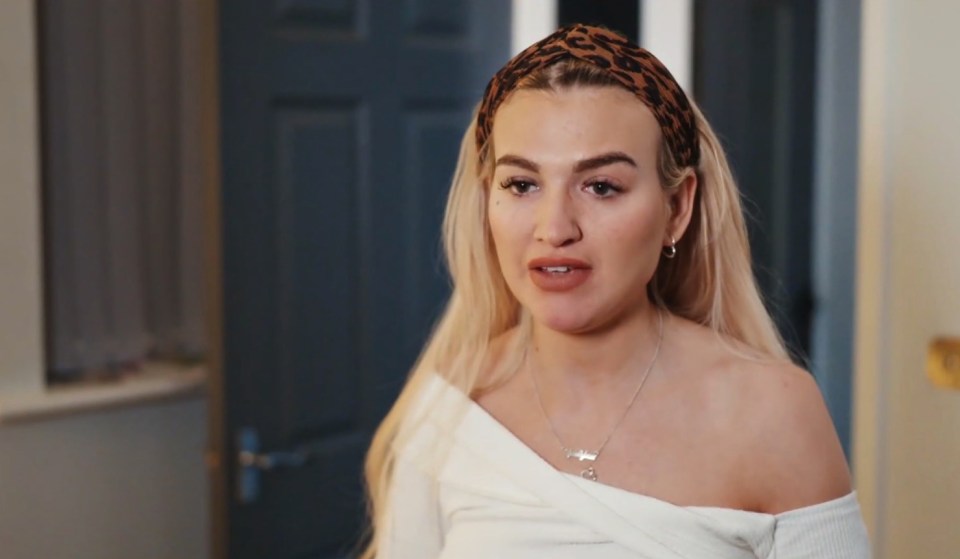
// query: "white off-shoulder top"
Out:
[465,487]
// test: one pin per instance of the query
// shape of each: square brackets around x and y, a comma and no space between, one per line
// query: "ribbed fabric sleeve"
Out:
[413,528]
[831,530]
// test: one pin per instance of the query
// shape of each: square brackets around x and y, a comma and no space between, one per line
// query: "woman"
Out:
[605,381]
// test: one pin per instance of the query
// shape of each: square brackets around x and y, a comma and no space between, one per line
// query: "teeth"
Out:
[556,269]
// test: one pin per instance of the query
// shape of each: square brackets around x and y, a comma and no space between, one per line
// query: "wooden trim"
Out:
[217,461]
[873,271]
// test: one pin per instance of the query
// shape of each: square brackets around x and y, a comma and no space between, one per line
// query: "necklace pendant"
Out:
[581,454]
[589,473]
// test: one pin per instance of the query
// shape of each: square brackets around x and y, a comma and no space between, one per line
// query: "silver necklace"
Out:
[584,455]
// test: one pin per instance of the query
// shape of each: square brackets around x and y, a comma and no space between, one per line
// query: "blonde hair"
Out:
[710,281]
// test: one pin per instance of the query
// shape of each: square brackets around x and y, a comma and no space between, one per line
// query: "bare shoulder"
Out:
[793,456]
[769,413]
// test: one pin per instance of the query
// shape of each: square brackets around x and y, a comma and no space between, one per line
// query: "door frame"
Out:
[873,304]
[215,457]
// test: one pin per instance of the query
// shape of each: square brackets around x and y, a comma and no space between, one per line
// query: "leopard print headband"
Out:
[633,67]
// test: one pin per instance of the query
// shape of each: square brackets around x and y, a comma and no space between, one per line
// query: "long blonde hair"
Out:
[710,281]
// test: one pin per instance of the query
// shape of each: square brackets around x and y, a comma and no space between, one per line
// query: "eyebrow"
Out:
[517,161]
[603,160]
[583,165]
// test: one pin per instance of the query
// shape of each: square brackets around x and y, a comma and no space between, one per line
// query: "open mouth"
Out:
[559,277]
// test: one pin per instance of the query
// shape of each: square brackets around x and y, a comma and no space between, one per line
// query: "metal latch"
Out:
[251,463]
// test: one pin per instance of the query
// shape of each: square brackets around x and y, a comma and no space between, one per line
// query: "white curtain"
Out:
[123,201]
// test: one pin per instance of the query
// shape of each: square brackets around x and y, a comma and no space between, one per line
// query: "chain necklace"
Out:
[584,455]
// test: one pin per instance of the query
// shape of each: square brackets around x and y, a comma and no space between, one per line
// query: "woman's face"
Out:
[576,208]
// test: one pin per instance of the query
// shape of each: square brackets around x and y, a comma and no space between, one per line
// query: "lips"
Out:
[558,274]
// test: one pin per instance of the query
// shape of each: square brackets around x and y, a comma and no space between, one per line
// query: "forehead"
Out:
[573,123]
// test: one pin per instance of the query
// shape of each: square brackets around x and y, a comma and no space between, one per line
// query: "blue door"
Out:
[756,81]
[340,125]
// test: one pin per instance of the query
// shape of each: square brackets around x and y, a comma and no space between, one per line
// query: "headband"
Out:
[631,66]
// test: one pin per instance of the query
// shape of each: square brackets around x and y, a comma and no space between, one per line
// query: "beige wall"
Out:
[119,484]
[20,292]
[907,432]
[102,485]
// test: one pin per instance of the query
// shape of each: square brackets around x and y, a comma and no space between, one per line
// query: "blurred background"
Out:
[219,245]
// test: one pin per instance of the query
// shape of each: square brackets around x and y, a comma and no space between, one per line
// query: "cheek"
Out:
[495,220]
[502,226]
[639,227]
[504,214]
[635,240]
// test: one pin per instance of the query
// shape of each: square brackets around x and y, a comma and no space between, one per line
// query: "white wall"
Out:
[103,485]
[906,431]
[666,30]
[530,21]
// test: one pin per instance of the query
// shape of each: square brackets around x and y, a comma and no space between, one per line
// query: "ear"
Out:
[680,204]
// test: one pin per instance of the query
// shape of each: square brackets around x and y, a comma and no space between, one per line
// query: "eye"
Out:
[518,187]
[603,189]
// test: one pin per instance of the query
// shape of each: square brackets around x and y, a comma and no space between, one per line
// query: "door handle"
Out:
[267,461]
[943,363]
[251,463]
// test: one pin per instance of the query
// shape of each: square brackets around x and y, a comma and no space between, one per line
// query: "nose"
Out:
[557,220]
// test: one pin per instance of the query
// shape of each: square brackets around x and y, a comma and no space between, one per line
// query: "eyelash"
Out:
[512,183]
[614,188]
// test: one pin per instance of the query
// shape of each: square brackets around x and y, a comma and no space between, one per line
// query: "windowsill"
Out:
[158,381]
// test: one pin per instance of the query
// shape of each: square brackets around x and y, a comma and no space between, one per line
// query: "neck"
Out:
[596,360]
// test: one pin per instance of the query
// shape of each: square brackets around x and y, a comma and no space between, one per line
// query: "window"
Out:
[122,186]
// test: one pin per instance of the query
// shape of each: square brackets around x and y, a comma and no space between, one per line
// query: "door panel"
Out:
[341,121]
[432,135]
[616,14]
[754,79]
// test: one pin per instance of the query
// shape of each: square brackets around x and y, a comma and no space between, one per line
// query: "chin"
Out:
[578,317]
[563,320]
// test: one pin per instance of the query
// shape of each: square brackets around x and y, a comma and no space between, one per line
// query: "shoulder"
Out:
[792,456]
[768,413]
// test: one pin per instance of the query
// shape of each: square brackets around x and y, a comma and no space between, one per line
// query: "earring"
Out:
[670,251]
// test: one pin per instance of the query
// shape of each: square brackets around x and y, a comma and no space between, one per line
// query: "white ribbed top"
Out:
[466,488]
